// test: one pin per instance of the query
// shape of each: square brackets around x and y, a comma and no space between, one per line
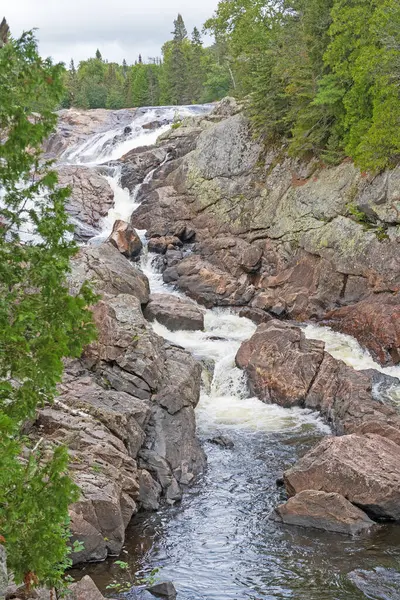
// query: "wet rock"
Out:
[281,363]
[174,312]
[75,126]
[138,163]
[85,589]
[256,315]
[222,441]
[286,368]
[378,583]
[91,196]
[374,322]
[125,239]
[365,469]
[109,271]
[160,245]
[327,511]
[163,590]
[211,286]
[149,492]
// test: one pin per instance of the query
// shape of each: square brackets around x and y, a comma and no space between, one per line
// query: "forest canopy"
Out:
[321,76]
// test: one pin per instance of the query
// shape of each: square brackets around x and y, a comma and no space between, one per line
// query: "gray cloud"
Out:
[119,28]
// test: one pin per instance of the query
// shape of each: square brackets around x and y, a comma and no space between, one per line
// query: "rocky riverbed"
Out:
[236,225]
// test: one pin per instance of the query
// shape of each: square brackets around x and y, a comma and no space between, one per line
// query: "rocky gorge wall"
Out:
[288,238]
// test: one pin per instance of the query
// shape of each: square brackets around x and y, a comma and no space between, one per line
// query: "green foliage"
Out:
[188,73]
[40,322]
[321,75]
[129,579]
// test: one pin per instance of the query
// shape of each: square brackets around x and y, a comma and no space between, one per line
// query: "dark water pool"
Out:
[219,543]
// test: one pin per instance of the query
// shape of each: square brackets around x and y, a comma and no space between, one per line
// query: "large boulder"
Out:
[209,285]
[109,272]
[365,469]
[91,196]
[286,368]
[85,589]
[174,312]
[281,363]
[320,510]
[125,239]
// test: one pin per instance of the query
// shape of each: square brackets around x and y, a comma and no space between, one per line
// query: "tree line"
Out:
[187,73]
[322,76]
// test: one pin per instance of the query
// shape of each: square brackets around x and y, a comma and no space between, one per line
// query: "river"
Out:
[219,542]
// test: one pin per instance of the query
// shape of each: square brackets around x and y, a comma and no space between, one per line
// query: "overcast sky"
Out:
[119,28]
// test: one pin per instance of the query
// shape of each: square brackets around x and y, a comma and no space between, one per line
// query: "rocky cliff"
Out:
[125,410]
[288,238]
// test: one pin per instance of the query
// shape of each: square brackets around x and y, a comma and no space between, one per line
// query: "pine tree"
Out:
[175,78]
[124,68]
[40,323]
[180,31]
[98,55]
[196,71]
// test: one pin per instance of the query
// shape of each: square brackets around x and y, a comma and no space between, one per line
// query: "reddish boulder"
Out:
[321,510]
[280,362]
[125,239]
[365,469]
[286,368]
[174,312]
[161,244]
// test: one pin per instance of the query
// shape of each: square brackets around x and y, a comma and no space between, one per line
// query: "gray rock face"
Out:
[365,469]
[174,312]
[138,163]
[110,272]
[130,399]
[91,196]
[330,512]
[163,590]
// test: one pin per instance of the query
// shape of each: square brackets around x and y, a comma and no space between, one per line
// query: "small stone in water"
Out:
[223,441]
[163,590]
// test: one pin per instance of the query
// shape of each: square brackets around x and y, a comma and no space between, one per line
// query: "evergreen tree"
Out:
[98,55]
[124,68]
[176,62]
[196,71]
[40,323]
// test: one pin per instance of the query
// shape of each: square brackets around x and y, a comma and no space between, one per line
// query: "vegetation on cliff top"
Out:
[40,322]
[323,75]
